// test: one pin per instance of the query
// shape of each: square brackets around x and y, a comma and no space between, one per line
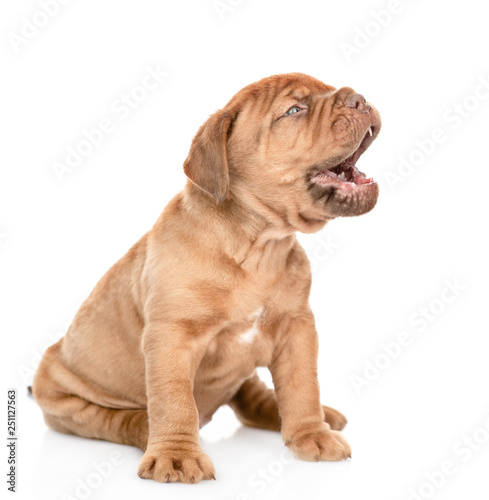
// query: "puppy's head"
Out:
[287,147]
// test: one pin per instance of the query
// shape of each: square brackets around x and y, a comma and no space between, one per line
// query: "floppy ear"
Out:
[206,164]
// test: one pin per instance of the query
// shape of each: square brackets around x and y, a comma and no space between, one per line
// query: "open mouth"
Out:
[346,175]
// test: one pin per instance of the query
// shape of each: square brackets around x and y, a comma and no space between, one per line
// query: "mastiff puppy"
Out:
[220,286]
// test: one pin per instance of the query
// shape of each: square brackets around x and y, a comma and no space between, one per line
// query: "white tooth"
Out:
[342,176]
[370,131]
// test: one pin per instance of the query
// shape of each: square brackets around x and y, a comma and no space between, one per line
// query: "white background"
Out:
[59,237]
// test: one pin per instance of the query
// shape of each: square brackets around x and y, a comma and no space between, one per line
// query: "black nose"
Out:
[358,102]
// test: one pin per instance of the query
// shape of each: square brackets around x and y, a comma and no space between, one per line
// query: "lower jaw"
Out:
[345,199]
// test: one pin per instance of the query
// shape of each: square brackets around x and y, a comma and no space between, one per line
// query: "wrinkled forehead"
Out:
[280,88]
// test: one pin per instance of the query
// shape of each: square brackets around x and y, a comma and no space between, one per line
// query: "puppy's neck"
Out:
[242,232]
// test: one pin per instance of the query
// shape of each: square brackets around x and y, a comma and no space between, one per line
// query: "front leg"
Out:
[255,405]
[294,372]
[172,356]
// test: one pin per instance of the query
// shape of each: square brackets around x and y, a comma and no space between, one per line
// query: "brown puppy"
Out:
[219,286]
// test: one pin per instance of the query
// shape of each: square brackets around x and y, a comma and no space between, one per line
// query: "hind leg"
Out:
[73,415]
[57,390]
[255,405]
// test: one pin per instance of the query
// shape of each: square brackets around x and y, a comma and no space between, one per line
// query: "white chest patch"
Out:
[249,336]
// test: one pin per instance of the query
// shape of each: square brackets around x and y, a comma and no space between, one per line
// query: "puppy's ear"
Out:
[206,164]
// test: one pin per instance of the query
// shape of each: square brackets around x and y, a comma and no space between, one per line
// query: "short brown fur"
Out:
[218,287]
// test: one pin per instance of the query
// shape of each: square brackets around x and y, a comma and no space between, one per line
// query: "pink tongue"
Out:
[359,178]
[362,180]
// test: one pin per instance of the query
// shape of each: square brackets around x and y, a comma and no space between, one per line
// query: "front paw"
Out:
[319,444]
[172,465]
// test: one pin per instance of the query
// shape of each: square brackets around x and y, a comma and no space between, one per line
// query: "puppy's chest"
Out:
[249,332]
[244,341]
[247,339]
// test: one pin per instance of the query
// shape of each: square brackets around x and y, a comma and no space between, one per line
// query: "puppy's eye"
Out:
[293,110]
